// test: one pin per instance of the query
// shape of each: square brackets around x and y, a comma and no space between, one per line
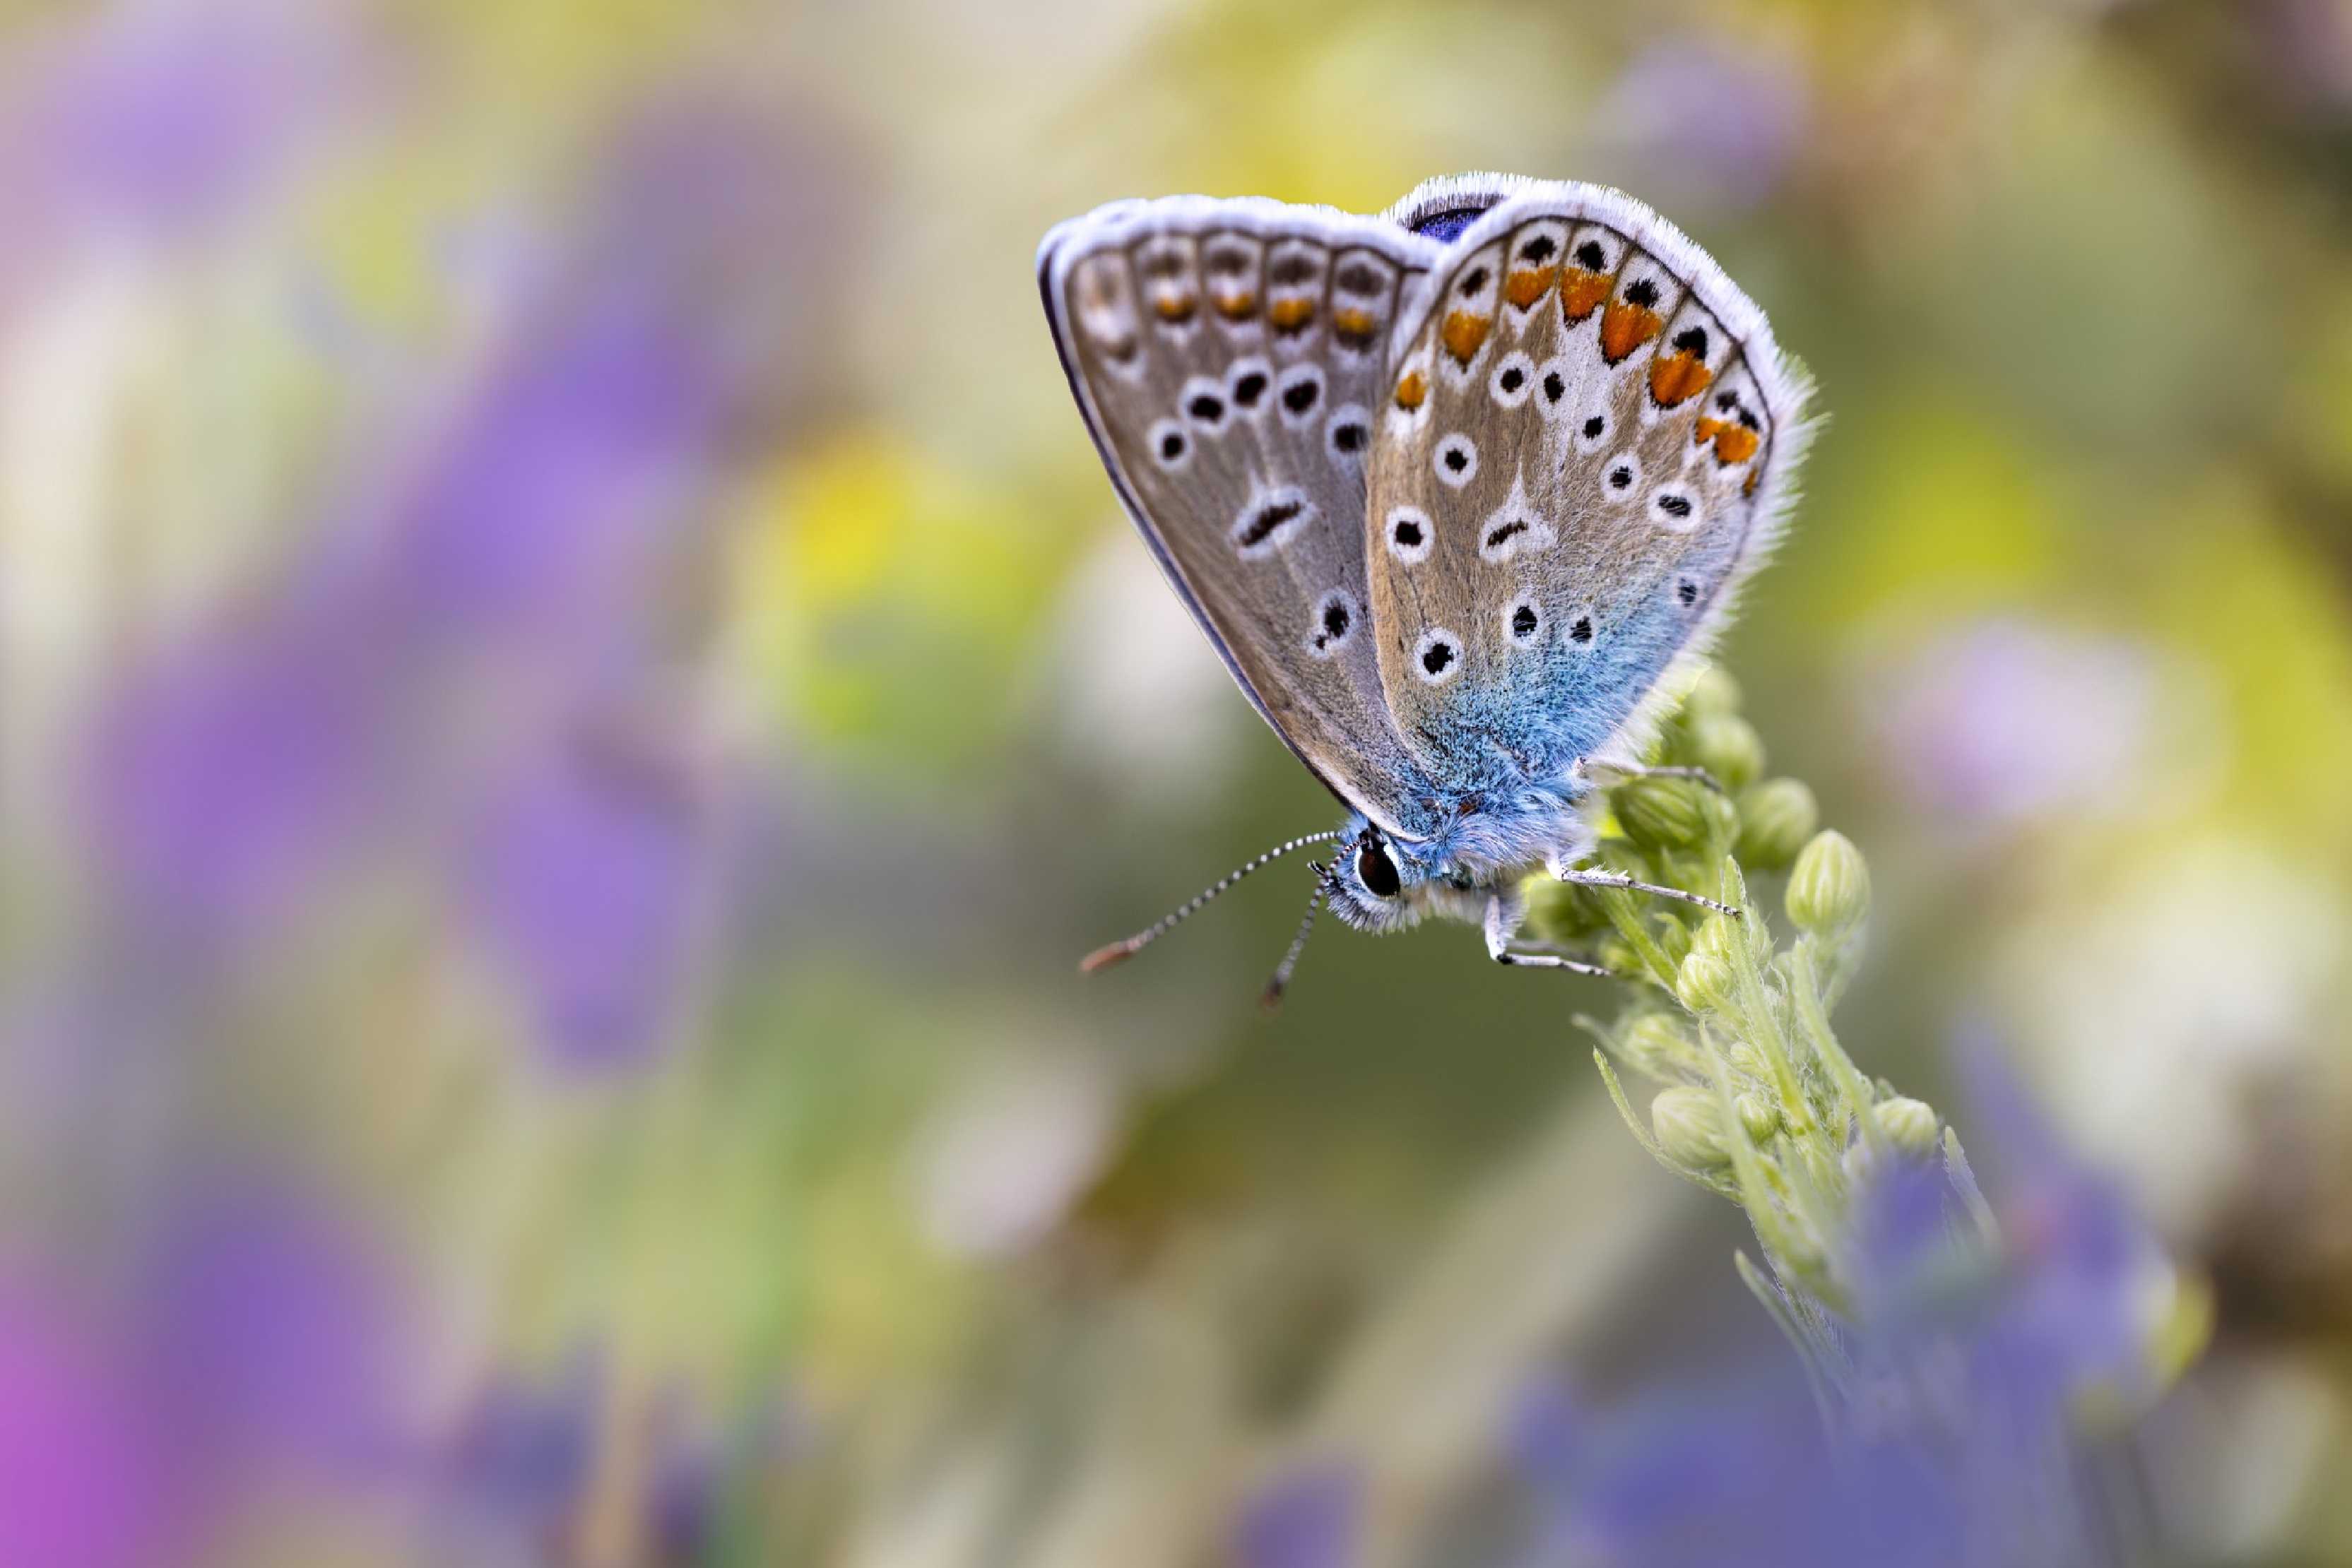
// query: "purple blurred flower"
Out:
[1964,1367]
[79,1481]
[272,1327]
[515,1478]
[1718,124]
[2002,721]
[519,1464]
[1307,1518]
[152,119]
[586,878]
[223,784]
[640,352]
[443,643]
[2081,1270]
[255,1335]
[1740,1472]
[2307,44]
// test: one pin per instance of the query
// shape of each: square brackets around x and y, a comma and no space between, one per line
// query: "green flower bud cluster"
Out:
[1754,1098]
[1751,1096]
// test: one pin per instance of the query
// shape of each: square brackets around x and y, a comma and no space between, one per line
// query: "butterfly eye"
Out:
[1378,872]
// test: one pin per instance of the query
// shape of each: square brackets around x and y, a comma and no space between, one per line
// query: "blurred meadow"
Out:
[572,690]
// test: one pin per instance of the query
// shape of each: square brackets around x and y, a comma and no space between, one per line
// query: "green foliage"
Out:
[1755,1099]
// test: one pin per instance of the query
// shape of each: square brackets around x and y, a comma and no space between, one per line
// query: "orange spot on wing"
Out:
[1581,292]
[1353,324]
[1733,442]
[1411,388]
[1236,306]
[1524,288]
[1462,332]
[1753,474]
[1677,378]
[1625,328]
[1175,307]
[1290,314]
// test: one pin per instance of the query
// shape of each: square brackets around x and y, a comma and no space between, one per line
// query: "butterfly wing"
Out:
[1228,356]
[1588,441]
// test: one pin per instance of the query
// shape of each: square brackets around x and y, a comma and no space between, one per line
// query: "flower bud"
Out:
[1829,891]
[1759,1116]
[1776,818]
[1690,1126]
[1655,1041]
[1728,746]
[1722,816]
[1704,983]
[1910,1124]
[1673,939]
[1715,937]
[1562,912]
[1713,692]
[1747,1059]
[1662,813]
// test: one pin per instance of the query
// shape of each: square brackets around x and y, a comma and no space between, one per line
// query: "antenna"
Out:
[1103,957]
[1271,998]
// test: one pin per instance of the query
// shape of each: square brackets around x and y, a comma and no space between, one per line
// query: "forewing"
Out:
[1588,440]
[1228,357]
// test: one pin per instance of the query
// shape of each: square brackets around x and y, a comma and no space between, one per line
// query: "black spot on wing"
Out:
[1267,518]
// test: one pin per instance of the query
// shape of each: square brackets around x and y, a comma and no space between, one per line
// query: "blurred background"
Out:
[572,690]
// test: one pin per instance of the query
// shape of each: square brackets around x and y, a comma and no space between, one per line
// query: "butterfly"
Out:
[1456,492]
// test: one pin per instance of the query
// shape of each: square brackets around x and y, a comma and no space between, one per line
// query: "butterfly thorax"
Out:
[1488,839]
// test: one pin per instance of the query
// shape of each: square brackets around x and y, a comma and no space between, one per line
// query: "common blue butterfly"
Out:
[1452,490]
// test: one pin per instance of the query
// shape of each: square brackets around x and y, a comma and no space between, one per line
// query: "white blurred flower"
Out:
[1145,696]
[2160,1004]
[2236,1458]
[999,1163]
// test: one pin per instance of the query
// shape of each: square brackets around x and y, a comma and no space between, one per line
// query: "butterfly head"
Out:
[1376,883]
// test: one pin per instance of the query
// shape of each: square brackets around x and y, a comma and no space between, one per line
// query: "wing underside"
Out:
[1588,441]
[1229,358]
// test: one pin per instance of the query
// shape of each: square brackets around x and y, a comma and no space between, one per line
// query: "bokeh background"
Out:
[571,690]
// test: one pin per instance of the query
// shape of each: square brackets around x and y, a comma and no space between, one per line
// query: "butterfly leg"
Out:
[1504,913]
[1587,877]
[1625,771]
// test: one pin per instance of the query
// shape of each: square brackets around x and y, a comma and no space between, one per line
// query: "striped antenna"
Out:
[1119,952]
[1271,998]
